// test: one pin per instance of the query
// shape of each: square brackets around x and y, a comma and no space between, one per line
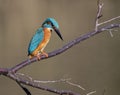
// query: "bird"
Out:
[42,37]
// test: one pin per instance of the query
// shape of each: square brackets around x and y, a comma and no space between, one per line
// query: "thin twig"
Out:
[91,93]
[24,88]
[52,81]
[36,85]
[99,15]
[28,78]
[67,80]
[107,21]
[76,85]
[110,31]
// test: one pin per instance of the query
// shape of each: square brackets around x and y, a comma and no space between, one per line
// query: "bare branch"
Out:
[91,93]
[11,72]
[65,47]
[36,85]
[3,71]
[110,31]
[53,81]
[24,88]
[107,21]
[26,80]
[30,79]
[76,85]
[99,15]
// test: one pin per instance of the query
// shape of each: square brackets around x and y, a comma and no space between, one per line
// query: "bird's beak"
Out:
[58,32]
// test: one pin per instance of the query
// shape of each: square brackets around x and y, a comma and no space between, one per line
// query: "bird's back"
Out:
[36,40]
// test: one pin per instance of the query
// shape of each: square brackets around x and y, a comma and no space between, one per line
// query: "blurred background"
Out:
[94,64]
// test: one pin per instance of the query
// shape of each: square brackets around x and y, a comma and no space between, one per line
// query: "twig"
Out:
[91,93]
[53,81]
[107,21]
[28,78]
[67,80]
[110,31]
[24,88]
[76,85]
[99,15]
[36,85]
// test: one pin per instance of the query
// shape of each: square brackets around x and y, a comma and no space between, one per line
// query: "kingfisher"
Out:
[41,38]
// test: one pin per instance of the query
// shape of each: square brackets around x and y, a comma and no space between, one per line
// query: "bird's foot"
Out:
[38,57]
[40,54]
[45,54]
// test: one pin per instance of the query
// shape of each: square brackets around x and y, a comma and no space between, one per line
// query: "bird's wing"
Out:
[36,40]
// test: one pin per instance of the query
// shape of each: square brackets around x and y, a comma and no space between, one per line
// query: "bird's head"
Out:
[52,23]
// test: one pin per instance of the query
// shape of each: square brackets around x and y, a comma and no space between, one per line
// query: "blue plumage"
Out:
[53,22]
[36,40]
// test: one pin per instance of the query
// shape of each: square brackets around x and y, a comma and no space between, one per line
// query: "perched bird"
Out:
[42,37]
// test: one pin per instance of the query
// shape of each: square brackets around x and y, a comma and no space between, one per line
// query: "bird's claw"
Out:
[45,54]
[39,55]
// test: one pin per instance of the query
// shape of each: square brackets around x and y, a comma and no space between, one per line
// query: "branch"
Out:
[91,93]
[107,21]
[24,88]
[36,85]
[99,14]
[30,79]
[65,47]
[12,72]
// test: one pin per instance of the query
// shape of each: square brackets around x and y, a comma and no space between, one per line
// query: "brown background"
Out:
[94,63]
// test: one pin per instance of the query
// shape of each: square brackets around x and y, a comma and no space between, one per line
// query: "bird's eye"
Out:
[48,23]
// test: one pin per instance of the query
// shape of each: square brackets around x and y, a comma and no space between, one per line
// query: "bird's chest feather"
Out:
[47,35]
[46,38]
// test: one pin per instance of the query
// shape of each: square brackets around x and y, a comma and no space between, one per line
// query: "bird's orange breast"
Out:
[42,45]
